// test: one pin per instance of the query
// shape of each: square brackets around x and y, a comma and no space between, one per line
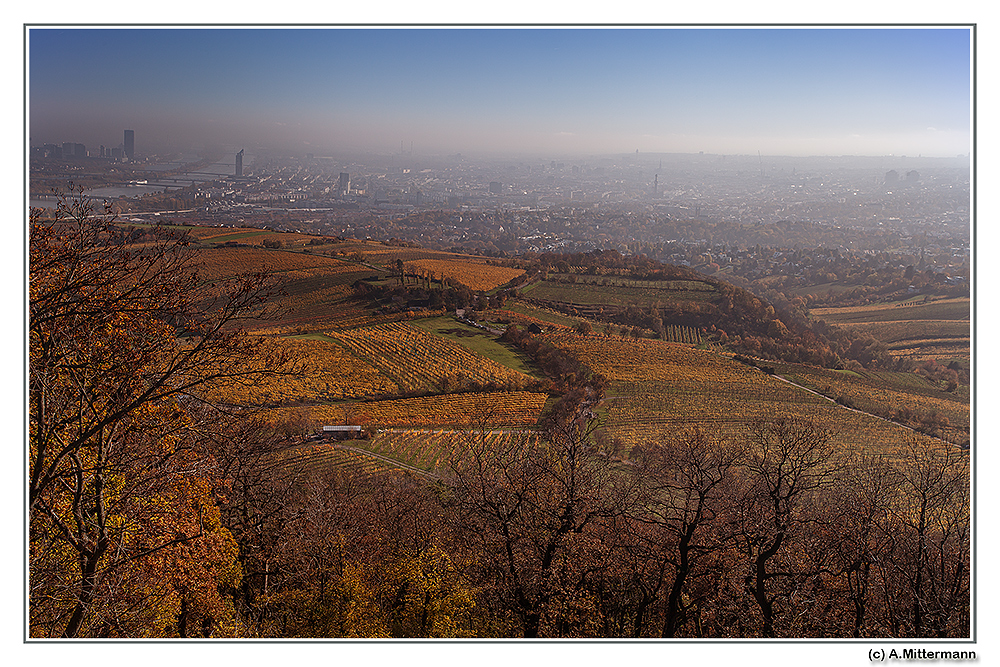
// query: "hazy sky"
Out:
[791,91]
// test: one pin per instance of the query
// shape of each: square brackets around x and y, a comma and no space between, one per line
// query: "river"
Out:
[225,167]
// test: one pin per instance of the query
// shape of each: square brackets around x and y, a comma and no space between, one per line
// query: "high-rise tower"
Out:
[239,163]
[130,145]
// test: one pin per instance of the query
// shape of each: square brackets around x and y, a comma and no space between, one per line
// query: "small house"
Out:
[342,432]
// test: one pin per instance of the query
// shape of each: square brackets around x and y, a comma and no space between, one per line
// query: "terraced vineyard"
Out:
[477,276]
[367,368]
[248,235]
[479,341]
[544,317]
[422,451]
[616,292]
[332,374]
[887,394]
[223,262]
[657,388]
[316,292]
[431,450]
[520,409]
[321,458]
[918,329]
[417,360]
[476,273]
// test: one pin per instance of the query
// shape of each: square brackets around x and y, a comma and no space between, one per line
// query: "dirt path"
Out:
[889,421]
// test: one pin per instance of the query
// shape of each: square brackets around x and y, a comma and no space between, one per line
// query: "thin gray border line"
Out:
[624,640]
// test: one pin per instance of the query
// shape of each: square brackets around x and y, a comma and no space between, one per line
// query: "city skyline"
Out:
[778,91]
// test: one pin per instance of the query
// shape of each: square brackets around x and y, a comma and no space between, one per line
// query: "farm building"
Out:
[342,432]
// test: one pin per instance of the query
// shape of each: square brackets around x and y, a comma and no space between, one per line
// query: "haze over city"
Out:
[782,91]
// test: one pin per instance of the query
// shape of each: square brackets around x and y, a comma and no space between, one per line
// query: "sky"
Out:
[782,91]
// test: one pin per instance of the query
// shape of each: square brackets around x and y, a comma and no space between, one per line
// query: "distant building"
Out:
[70,149]
[342,432]
[496,187]
[344,184]
[239,163]
[129,149]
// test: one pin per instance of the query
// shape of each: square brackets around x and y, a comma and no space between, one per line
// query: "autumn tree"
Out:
[259,489]
[861,507]
[690,480]
[126,346]
[363,556]
[529,506]
[785,462]
[930,555]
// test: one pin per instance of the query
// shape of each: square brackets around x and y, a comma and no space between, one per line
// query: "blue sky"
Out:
[792,91]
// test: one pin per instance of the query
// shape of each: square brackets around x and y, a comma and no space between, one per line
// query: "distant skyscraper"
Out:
[130,144]
[239,163]
[344,184]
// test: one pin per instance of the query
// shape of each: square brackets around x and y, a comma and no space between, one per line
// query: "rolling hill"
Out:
[674,349]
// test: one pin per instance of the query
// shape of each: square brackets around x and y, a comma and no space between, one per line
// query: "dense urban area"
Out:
[739,215]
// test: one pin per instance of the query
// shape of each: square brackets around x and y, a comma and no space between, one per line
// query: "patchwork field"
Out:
[496,409]
[657,388]
[477,341]
[618,292]
[418,384]
[477,273]
[473,275]
[417,360]
[890,394]
[918,329]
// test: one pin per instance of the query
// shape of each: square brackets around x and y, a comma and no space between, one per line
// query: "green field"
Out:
[479,342]
[944,309]
[643,294]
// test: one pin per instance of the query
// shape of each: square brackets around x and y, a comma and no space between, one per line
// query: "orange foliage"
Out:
[418,360]
[472,274]
[520,408]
